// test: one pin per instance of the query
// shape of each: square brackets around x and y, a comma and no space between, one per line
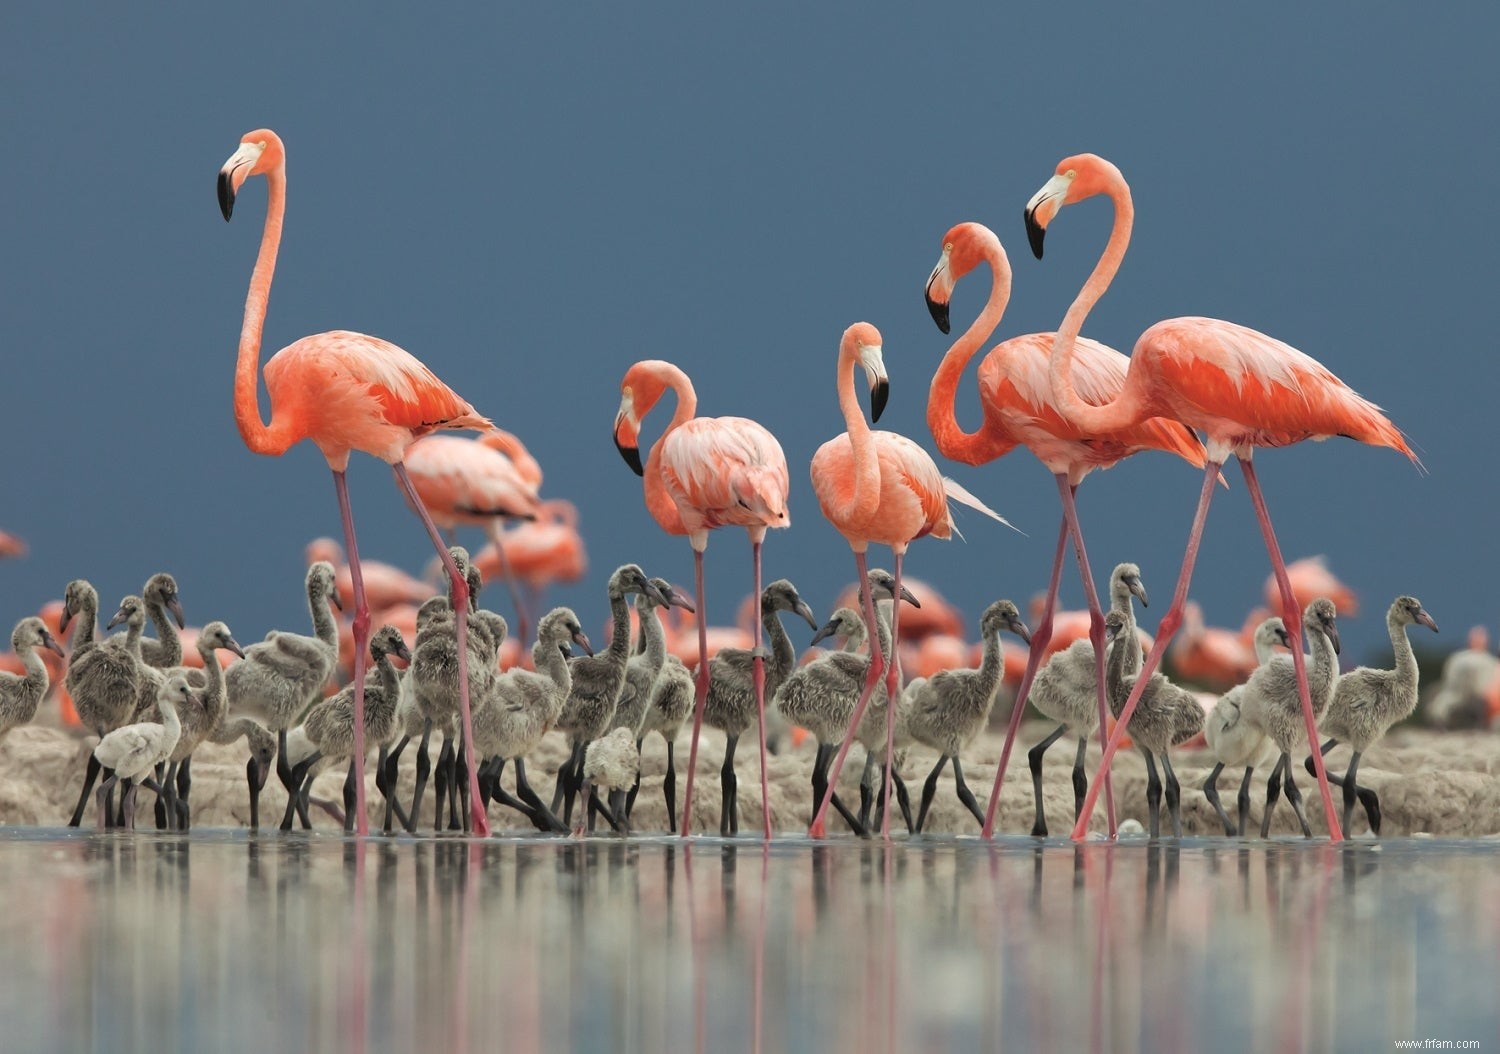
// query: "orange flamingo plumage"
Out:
[1019,410]
[478,482]
[1311,579]
[344,391]
[1241,388]
[705,472]
[883,488]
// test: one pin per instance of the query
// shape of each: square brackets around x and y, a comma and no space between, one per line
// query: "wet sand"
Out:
[1444,784]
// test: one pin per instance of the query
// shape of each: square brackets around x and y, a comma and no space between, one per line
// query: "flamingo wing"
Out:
[1242,386]
[726,470]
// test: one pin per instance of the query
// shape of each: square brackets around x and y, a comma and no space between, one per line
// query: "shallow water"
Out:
[224,941]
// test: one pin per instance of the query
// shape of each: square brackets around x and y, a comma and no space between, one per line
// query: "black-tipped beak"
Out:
[234,646]
[1139,591]
[676,599]
[1333,636]
[939,312]
[878,395]
[660,598]
[1283,639]
[632,456]
[1020,629]
[226,193]
[402,652]
[806,612]
[50,643]
[334,596]
[1035,232]
[581,639]
[910,598]
[175,607]
[829,629]
[119,617]
[67,616]
[1426,620]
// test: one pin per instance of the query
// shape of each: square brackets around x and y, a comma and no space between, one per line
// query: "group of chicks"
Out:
[1255,723]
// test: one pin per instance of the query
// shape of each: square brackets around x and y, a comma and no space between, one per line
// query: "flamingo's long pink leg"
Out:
[1041,635]
[892,695]
[1096,627]
[701,695]
[479,821]
[1292,616]
[759,675]
[361,644]
[817,829]
[1169,623]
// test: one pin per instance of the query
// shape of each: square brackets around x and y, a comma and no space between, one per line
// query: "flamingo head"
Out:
[132,611]
[963,248]
[1004,615]
[640,389]
[1410,610]
[1322,616]
[259,152]
[862,342]
[216,635]
[1076,178]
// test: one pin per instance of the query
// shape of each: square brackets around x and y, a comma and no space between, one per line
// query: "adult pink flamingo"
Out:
[344,391]
[877,487]
[475,482]
[1019,409]
[705,472]
[1241,388]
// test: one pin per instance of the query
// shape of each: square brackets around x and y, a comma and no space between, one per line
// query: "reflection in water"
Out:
[223,942]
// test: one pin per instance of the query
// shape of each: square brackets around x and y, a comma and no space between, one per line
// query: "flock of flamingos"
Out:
[1074,403]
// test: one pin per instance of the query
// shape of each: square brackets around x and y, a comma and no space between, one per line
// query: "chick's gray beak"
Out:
[1020,629]
[660,598]
[175,607]
[1426,620]
[806,612]
[234,646]
[910,598]
[1139,590]
[828,630]
[581,639]
[119,617]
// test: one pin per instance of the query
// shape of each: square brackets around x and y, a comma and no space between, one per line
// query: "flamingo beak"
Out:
[1425,619]
[66,617]
[175,607]
[581,639]
[234,172]
[234,646]
[1333,636]
[50,643]
[627,436]
[830,628]
[880,385]
[806,612]
[676,599]
[908,596]
[1020,629]
[1043,207]
[940,291]
[119,617]
[660,598]
[333,598]
[1139,590]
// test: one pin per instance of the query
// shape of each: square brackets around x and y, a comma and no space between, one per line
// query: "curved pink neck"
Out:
[866,465]
[1130,406]
[276,437]
[971,448]
[658,501]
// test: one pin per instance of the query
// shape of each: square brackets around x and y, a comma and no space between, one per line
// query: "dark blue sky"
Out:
[530,200]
